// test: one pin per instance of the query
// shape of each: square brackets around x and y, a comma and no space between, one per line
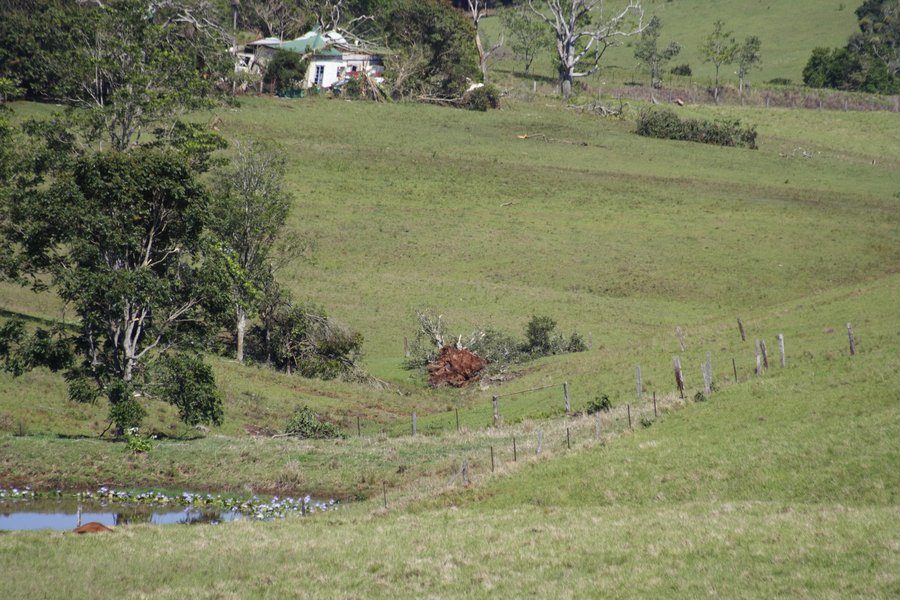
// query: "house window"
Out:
[320,75]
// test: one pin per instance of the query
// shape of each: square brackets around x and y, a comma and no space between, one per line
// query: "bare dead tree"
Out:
[583,33]
[279,18]
[477,10]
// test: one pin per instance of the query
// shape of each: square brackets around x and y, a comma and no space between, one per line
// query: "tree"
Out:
[249,206]
[719,48]
[279,18]
[748,56]
[131,63]
[437,53]
[121,237]
[647,51]
[477,9]
[528,34]
[581,42]
[871,60]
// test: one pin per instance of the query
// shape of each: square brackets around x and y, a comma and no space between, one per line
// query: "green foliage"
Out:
[599,403]
[482,98]
[870,62]
[646,422]
[720,49]
[682,70]
[699,397]
[306,424]
[528,34]
[539,335]
[436,48]
[648,52]
[188,383]
[286,70]
[125,411]
[665,124]
[748,56]
[137,444]
[300,337]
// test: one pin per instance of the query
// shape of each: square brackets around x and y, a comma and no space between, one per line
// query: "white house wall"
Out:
[337,69]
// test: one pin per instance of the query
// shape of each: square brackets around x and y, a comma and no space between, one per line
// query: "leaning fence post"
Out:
[734,366]
[758,359]
[566,396]
[781,348]
[741,329]
[852,339]
[637,381]
[765,354]
[679,376]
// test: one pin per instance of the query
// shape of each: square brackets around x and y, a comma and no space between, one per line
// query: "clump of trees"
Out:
[500,349]
[647,51]
[870,62]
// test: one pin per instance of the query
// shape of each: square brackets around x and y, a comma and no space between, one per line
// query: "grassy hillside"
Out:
[788,31]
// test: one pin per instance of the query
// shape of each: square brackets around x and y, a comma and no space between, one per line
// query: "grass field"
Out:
[788,31]
[780,485]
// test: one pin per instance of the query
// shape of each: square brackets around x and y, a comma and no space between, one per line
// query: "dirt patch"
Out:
[455,367]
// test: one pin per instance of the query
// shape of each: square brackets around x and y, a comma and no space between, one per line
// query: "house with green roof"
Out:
[332,57]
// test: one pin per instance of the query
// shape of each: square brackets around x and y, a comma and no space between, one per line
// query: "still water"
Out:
[61,516]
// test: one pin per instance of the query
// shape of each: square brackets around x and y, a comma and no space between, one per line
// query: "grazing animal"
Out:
[92,527]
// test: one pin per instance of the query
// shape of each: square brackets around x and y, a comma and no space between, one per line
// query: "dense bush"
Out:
[780,81]
[482,98]
[683,70]
[599,403]
[665,124]
[286,70]
[305,424]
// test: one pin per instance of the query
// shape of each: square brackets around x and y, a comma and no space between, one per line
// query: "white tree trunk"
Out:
[241,329]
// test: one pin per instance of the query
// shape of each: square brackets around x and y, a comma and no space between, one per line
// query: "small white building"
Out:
[332,58]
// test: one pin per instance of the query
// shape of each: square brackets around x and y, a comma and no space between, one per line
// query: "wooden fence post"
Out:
[492,459]
[734,366]
[496,402]
[457,420]
[414,423]
[680,335]
[628,406]
[405,346]
[568,441]
[358,428]
[679,376]
[758,359]
[852,339]
[384,492]
[637,381]
[765,354]
[781,348]
[515,451]
[741,329]
[566,396]
[654,405]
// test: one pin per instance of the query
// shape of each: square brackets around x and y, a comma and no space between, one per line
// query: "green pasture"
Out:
[788,30]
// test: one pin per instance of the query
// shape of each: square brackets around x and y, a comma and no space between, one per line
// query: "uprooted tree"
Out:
[584,33]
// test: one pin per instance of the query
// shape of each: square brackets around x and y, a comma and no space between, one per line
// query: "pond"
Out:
[25,509]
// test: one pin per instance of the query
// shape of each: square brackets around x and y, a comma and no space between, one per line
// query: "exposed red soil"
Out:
[455,367]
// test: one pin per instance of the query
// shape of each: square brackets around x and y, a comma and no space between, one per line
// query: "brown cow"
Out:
[92,527]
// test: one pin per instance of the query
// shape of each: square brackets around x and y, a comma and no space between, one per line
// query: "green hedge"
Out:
[665,124]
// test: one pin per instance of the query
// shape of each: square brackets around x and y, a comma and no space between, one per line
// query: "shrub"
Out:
[137,444]
[482,98]
[665,124]
[699,397]
[305,424]
[780,81]
[600,403]
[538,335]
[646,422]
[124,410]
[683,70]
[497,348]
